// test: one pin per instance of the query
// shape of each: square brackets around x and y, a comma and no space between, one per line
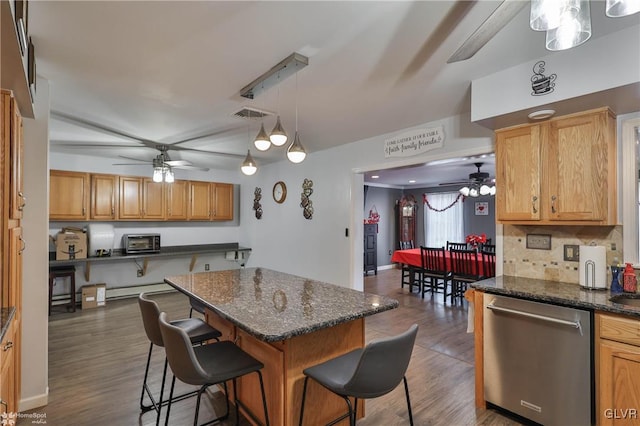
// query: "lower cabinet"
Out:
[8,372]
[618,370]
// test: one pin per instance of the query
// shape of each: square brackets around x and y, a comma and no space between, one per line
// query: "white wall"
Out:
[35,273]
[284,240]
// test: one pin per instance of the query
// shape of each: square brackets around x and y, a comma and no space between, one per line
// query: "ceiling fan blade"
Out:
[461,182]
[500,17]
[178,163]
[71,144]
[146,160]
[99,127]
[130,164]
[202,169]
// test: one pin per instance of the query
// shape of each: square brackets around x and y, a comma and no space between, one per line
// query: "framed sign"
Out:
[482,208]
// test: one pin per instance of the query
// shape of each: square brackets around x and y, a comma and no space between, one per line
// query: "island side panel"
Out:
[478,329]
[322,406]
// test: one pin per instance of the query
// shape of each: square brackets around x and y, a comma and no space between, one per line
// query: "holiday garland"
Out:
[426,201]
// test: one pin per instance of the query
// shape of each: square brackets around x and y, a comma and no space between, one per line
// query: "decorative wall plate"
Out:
[256,202]
[305,202]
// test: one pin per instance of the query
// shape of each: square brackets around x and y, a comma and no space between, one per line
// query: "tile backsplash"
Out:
[550,265]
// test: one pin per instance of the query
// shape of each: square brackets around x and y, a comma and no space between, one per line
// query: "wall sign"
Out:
[540,83]
[482,208]
[414,142]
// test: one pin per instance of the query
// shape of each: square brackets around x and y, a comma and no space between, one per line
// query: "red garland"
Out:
[424,198]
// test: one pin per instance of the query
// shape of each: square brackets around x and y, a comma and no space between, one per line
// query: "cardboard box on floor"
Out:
[94,296]
[71,243]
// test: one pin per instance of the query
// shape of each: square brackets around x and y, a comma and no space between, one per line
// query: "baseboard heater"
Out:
[118,292]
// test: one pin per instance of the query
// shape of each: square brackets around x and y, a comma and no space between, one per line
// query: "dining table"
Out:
[413,257]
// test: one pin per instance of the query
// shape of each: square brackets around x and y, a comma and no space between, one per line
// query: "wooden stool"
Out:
[63,272]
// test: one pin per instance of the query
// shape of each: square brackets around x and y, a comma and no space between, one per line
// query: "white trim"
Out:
[34,401]
[629,186]
[384,267]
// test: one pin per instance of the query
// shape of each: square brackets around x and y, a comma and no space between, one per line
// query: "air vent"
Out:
[249,112]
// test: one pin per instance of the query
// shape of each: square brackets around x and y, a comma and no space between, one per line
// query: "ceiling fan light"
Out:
[573,30]
[248,166]
[548,14]
[157,174]
[464,191]
[278,136]
[620,8]
[492,190]
[262,141]
[485,190]
[168,175]
[296,152]
[473,191]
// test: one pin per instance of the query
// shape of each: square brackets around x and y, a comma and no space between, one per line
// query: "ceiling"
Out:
[171,72]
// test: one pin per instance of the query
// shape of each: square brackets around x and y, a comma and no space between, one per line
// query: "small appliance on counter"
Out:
[141,243]
[593,267]
[101,236]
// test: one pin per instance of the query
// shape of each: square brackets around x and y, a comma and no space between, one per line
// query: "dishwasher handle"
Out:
[574,324]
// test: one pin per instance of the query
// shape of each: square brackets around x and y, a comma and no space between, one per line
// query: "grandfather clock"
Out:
[406,213]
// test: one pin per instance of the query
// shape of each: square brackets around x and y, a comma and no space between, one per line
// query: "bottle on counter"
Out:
[615,278]
[629,280]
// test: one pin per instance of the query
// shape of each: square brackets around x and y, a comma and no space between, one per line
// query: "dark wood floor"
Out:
[97,358]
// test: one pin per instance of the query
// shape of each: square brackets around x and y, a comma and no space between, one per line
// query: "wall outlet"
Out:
[571,253]
[390,253]
[140,272]
[206,266]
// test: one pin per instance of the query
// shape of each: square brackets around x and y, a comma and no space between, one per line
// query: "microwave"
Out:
[141,243]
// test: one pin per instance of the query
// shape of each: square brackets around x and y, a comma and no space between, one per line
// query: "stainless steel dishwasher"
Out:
[538,360]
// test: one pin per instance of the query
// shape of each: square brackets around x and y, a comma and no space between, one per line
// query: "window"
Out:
[443,219]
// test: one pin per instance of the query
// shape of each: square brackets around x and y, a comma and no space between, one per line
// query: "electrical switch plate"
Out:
[206,266]
[571,253]
[140,273]
[539,241]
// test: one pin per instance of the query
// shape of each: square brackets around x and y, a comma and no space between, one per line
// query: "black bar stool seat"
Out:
[68,271]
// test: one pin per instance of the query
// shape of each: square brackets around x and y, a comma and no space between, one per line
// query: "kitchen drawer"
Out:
[620,329]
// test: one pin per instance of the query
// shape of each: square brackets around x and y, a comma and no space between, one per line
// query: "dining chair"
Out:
[465,269]
[489,248]
[197,332]
[195,306]
[364,373]
[408,272]
[434,268]
[456,246]
[488,263]
[207,365]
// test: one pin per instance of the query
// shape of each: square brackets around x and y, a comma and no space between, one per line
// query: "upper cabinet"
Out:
[104,197]
[13,145]
[562,171]
[68,195]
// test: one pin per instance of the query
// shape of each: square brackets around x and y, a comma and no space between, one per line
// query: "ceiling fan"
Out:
[477,178]
[162,160]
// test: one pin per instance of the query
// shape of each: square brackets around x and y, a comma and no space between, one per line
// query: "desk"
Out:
[288,323]
[412,257]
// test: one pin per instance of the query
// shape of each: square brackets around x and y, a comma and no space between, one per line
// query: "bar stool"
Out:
[68,271]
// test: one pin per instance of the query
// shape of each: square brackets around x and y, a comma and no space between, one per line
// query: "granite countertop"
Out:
[118,254]
[6,315]
[274,306]
[555,292]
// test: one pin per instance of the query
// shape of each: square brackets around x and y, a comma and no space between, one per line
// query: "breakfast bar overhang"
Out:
[289,323]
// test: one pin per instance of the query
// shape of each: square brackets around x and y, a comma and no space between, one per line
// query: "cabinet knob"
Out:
[553,203]
[24,245]
[533,204]
[7,346]
[24,200]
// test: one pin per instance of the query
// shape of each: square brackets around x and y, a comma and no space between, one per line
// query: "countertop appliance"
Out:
[538,360]
[593,267]
[141,243]
[101,236]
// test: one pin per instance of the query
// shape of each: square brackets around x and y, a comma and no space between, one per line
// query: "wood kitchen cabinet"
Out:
[141,199]
[8,378]
[68,195]
[561,171]
[210,201]
[617,370]
[17,199]
[177,194]
[104,197]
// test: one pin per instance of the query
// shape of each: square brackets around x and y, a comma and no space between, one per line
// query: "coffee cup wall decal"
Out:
[540,83]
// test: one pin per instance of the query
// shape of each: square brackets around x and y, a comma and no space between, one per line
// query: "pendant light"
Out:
[574,29]
[619,8]
[248,166]
[278,136]
[296,152]
[262,141]
[547,14]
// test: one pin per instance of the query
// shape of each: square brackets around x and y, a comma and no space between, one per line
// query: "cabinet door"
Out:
[130,203]
[518,170]
[16,247]
[7,372]
[223,201]
[68,195]
[199,200]
[17,199]
[618,385]
[153,200]
[177,200]
[104,197]
[578,168]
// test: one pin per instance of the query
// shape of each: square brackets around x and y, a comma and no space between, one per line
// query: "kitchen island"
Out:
[289,323]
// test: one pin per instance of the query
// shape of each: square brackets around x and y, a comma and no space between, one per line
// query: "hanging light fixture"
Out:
[248,166]
[278,136]
[574,29]
[262,141]
[547,14]
[296,152]
[620,8]
[168,175]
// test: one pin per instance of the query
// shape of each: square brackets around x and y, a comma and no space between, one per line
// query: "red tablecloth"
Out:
[412,257]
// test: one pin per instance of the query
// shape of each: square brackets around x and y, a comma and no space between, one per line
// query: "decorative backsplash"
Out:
[521,261]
